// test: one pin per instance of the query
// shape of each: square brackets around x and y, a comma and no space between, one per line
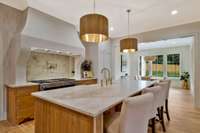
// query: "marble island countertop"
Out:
[93,100]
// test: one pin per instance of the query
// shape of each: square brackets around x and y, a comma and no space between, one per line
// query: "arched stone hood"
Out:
[44,31]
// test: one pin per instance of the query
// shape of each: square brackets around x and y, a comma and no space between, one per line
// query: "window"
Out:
[124,63]
[157,66]
[163,66]
[140,65]
[147,68]
[173,65]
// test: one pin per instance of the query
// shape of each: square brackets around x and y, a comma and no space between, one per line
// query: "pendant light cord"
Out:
[128,11]
[94,6]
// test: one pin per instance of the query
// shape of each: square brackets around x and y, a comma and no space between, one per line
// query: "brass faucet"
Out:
[107,77]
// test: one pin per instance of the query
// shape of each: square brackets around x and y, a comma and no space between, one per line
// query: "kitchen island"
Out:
[80,109]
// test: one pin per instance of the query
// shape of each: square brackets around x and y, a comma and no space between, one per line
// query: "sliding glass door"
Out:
[157,66]
[173,65]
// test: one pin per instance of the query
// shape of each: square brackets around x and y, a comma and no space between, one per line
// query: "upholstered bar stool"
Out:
[134,116]
[167,97]
[165,91]
[158,94]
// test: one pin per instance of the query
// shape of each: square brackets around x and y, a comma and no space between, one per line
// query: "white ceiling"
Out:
[146,14]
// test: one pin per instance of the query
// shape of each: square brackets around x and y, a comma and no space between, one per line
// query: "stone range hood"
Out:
[44,31]
[40,31]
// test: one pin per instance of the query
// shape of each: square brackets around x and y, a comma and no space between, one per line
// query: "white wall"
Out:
[116,60]
[105,56]
[134,64]
[92,55]
[1,77]
[100,55]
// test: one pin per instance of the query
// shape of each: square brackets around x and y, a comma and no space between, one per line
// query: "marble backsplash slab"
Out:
[49,66]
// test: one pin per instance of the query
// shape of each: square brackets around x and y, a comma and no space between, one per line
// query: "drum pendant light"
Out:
[94,27]
[128,45]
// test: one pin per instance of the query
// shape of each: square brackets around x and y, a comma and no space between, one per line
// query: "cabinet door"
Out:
[26,91]
[24,102]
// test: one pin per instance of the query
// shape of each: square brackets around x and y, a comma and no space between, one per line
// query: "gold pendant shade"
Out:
[94,28]
[128,45]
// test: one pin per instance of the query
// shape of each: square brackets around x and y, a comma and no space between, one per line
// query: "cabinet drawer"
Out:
[24,91]
[25,113]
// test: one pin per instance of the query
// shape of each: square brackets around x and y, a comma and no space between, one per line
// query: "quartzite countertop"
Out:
[93,100]
[19,85]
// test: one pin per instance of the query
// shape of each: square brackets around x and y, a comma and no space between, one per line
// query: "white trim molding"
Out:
[196,72]
[1,79]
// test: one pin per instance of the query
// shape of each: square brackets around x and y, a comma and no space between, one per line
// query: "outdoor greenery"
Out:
[157,73]
[173,74]
[147,73]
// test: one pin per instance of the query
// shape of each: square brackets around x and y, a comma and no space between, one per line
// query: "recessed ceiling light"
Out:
[111,28]
[174,12]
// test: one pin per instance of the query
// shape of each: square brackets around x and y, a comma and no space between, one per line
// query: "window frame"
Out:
[165,68]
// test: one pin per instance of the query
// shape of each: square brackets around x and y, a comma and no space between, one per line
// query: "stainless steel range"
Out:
[54,83]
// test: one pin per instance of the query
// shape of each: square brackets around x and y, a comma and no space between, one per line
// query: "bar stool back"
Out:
[134,115]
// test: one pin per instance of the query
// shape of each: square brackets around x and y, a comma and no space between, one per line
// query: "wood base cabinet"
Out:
[52,118]
[86,81]
[20,103]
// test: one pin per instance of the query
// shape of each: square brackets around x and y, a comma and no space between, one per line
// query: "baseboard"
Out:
[3,116]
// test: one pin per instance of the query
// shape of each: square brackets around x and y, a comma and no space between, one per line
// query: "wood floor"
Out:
[184,117]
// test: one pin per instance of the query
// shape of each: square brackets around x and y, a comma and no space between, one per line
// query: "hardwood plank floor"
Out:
[184,117]
[27,127]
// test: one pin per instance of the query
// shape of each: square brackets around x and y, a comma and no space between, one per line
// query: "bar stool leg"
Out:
[153,125]
[167,110]
[158,110]
[162,119]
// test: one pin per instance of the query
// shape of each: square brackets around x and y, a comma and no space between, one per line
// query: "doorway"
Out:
[167,59]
